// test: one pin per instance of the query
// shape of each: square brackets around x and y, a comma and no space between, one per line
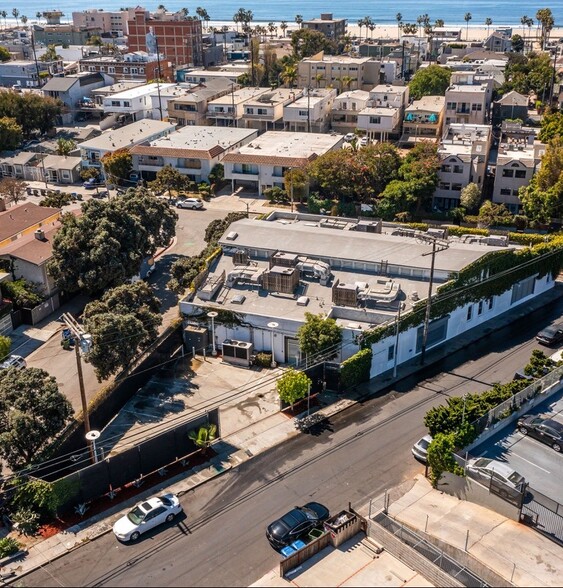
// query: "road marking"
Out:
[531,463]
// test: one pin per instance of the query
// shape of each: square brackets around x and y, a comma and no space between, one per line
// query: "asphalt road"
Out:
[358,455]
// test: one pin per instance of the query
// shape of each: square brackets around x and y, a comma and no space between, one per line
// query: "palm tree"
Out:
[38,16]
[272,28]
[439,23]
[225,30]
[15,14]
[289,75]
[24,19]
[161,7]
[545,18]
[299,20]
[4,14]
[399,19]
[318,79]
[488,22]
[346,82]
[283,27]
[467,18]
[371,27]
[360,24]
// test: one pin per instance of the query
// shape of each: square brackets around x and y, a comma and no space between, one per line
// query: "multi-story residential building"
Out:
[265,112]
[191,108]
[262,163]
[519,155]
[193,151]
[423,120]
[311,112]
[136,103]
[230,72]
[498,42]
[380,122]
[344,72]
[468,103]
[41,167]
[353,273]
[345,110]
[56,33]
[131,66]
[72,89]
[22,73]
[108,21]
[510,106]
[228,110]
[137,133]
[172,34]
[101,93]
[464,153]
[387,95]
[330,27]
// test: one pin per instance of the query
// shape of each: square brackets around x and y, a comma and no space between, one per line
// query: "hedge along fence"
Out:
[356,369]
[491,275]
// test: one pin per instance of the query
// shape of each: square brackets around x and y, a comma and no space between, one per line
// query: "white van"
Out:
[15,361]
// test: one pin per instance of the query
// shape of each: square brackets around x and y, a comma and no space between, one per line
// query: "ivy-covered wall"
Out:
[356,369]
[491,275]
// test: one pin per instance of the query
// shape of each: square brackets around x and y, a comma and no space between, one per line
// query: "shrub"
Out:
[441,457]
[459,231]
[22,293]
[276,195]
[8,546]
[527,238]
[316,204]
[26,521]
[356,369]
[55,200]
[263,359]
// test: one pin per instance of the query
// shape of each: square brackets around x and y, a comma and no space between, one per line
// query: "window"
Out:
[507,173]
[262,111]
[458,169]
[480,307]
[476,107]
[469,312]
[444,185]
[456,187]
[134,70]
[515,192]
[520,173]
[374,120]
[451,106]
[490,303]
[250,111]
[303,112]
[446,168]
[436,332]
[505,192]
[391,353]
[523,289]
[111,69]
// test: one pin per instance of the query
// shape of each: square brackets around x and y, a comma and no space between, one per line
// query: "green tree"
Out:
[4,55]
[11,134]
[542,199]
[32,412]
[22,293]
[517,43]
[296,182]
[470,196]
[527,74]
[95,40]
[124,321]
[488,23]
[299,20]
[283,27]
[491,214]
[105,245]
[50,54]
[551,126]
[5,344]
[289,75]
[169,179]
[545,17]
[12,190]
[467,18]
[65,146]
[293,386]
[307,42]
[217,174]
[117,165]
[320,337]
[31,111]
[16,14]
[441,457]
[430,81]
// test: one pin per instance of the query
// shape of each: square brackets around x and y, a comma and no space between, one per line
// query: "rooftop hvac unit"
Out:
[237,352]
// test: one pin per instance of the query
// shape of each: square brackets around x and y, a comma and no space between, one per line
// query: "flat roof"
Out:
[117,88]
[471,88]
[309,238]
[274,97]
[239,96]
[128,135]
[141,91]
[389,89]
[379,110]
[290,144]
[427,103]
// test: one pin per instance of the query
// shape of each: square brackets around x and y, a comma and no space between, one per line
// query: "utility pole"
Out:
[233,104]
[442,246]
[308,109]
[80,338]
[158,78]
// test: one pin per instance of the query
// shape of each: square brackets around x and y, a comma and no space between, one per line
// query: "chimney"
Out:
[40,234]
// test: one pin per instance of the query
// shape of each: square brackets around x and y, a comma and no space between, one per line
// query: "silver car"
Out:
[192,203]
[15,361]
[491,472]
[420,448]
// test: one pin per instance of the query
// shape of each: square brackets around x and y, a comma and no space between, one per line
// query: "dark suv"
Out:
[545,430]
[296,523]
[551,335]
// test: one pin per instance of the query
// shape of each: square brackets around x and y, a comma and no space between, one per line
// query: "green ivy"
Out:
[356,369]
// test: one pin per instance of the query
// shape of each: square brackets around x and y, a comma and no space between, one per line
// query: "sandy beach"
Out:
[476,32]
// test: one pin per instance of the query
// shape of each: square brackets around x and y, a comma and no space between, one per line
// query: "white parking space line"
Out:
[530,462]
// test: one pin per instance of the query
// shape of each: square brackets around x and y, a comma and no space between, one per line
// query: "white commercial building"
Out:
[136,103]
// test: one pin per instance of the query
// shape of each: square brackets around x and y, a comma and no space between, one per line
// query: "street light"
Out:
[91,437]
[397,320]
[272,326]
[213,315]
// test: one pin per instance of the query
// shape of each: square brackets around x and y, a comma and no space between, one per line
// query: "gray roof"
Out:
[306,238]
[59,84]
[20,158]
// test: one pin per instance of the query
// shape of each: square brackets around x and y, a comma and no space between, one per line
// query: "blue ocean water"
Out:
[501,11]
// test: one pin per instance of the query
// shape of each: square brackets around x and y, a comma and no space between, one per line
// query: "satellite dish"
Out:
[92,435]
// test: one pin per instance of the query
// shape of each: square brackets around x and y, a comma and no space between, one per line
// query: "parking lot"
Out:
[538,463]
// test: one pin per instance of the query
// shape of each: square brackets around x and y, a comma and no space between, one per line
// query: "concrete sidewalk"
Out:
[264,434]
[516,552]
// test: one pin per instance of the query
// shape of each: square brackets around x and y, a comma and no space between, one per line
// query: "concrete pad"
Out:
[385,570]
[418,581]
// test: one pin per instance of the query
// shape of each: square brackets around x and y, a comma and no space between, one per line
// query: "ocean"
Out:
[501,12]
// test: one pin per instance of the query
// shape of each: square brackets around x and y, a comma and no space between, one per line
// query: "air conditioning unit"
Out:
[237,352]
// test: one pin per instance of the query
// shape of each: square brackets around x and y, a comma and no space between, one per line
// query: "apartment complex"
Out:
[423,120]
[107,20]
[346,109]
[330,27]
[311,112]
[170,34]
[138,65]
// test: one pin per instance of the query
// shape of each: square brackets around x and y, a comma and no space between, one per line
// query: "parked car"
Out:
[420,448]
[364,141]
[192,203]
[296,523]
[147,515]
[349,137]
[91,183]
[489,471]
[551,335]
[543,429]
[15,361]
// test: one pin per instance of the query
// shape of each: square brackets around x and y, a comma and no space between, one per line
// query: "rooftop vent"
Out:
[231,236]
[238,299]
[302,301]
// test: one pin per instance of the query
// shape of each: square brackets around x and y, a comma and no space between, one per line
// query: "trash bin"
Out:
[287,551]
[297,545]
[315,534]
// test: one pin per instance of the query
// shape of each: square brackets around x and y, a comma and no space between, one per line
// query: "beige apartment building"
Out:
[423,120]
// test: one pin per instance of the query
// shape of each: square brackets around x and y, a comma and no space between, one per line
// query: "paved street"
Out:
[359,454]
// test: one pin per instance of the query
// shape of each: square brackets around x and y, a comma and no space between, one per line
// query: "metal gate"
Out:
[544,514]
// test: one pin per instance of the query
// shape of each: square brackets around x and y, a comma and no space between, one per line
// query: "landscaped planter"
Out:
[10,558]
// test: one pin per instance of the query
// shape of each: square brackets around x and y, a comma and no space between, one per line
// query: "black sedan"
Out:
[545,430]
[296,524]
[551,335]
